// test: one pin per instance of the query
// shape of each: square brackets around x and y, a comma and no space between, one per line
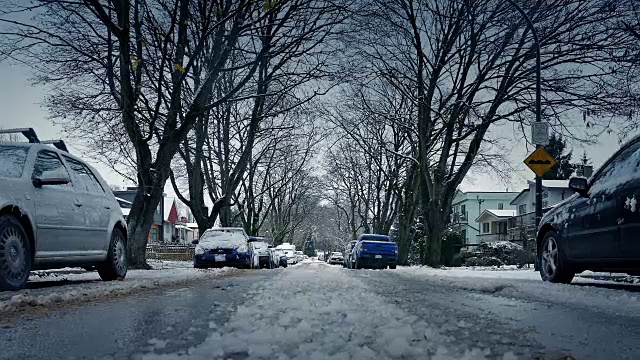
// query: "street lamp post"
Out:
[538,103]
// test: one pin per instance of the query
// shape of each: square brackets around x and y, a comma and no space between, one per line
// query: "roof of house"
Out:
[500,214]
[462,196]
[522,193]
[170,210]
[563,184]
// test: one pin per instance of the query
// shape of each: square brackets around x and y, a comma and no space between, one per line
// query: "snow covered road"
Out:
[316,311]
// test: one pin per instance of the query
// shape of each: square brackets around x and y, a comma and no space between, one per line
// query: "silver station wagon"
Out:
[55,211]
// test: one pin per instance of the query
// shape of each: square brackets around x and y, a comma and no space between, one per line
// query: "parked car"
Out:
[55,211]
[289,250]
[597,228]
[259,250]
[218,248]
[278,258]
[347,254]
[299,256]
[336,259]
[373,251]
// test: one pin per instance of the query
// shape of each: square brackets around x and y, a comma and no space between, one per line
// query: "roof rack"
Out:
[57,143]
[29,133]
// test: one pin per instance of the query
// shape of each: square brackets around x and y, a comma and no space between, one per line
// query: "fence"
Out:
[170,252]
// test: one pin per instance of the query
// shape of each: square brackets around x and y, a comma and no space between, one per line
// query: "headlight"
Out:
[199,250]
[242,248]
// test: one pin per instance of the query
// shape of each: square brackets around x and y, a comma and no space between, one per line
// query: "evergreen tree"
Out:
[557,147]
[584,160]
[309,246]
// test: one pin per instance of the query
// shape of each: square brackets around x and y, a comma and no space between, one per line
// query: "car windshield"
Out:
[12,160]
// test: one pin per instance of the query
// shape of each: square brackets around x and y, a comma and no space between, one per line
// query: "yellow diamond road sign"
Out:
[540,161]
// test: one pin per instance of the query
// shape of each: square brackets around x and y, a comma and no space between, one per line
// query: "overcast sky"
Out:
[20,107]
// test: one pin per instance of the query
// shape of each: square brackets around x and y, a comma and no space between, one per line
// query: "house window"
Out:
[522,209]
[485,228]
[154,234]
[500,206]
[545,194]
[463,209]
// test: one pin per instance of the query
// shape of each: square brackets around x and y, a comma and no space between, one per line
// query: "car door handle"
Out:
[77,203]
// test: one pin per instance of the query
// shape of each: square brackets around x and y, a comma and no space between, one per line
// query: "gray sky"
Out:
[19,107]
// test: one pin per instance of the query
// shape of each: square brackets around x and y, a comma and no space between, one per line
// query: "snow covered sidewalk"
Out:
[316,311]
[73,285]
[597,294]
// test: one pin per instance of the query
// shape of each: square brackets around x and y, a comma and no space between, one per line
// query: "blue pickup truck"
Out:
[373,251]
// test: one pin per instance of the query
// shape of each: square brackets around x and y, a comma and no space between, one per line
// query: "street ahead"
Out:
[317,311]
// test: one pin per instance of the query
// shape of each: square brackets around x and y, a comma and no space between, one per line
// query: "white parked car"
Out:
[55,211]
[289,250]
[299,256]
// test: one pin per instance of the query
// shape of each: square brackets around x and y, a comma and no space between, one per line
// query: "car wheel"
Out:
[553,265]
[115,268]
[15,254]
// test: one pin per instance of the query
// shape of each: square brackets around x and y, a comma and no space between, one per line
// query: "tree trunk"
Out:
[139,224]
[435,231]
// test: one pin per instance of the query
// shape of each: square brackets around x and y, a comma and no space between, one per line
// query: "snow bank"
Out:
[76,285]
[527,285]
[294,316]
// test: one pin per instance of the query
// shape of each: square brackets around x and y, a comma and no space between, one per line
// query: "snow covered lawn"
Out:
[316,311]
[73,285]
[599,294]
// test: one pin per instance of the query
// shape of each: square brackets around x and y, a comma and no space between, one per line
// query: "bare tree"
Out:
[134,70]
[295,39]
[469,65]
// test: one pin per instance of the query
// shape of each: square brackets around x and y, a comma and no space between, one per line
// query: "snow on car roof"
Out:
[222,239]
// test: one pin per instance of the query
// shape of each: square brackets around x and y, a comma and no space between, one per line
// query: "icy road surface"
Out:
[317,311]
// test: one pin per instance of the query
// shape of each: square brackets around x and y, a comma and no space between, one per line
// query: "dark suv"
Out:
[598,228]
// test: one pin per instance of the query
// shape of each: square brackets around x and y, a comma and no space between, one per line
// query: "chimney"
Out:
[588,171]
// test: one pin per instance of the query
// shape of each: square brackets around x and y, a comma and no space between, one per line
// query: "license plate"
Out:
[378,256]
[220,257]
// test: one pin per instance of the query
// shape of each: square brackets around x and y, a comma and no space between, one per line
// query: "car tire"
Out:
[15,254]
[553,266]
[392,266]
[115,267]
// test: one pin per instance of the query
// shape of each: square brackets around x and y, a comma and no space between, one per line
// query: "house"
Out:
[494,224]
[467,207]
[553,192]
[522,227]
[170,220]
[126,198]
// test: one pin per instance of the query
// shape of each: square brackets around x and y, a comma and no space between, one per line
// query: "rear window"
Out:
[259,245]
[375,238]
[12,160]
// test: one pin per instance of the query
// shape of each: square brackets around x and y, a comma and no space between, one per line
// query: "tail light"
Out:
[361,246]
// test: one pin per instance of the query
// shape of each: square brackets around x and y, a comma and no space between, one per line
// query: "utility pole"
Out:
[538,105]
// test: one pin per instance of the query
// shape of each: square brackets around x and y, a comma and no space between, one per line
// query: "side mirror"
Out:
[51,178]
[195,242]
[579,185]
